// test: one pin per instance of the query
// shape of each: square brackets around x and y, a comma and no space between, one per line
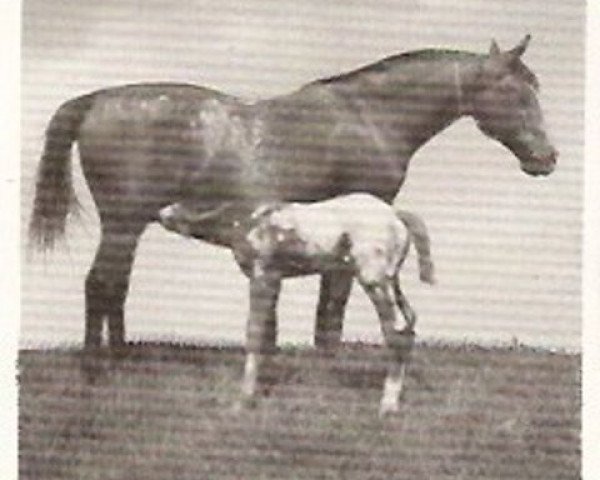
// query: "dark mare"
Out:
[143,147]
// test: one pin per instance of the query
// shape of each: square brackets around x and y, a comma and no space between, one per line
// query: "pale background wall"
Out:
[506,246]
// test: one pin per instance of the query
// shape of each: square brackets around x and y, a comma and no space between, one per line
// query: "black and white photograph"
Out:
[301,240]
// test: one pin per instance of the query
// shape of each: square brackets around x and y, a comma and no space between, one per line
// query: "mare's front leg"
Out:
[399,345]
[264,293]
[333,297]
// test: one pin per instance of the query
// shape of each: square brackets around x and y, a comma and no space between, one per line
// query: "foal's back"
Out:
[370,224]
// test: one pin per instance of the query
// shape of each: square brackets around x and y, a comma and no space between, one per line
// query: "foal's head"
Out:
[504,104]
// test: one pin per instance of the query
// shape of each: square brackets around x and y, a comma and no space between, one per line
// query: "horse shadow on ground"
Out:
[354,365]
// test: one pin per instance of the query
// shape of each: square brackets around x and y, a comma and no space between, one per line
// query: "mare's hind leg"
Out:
[107,283]
[399,345]
[333,297]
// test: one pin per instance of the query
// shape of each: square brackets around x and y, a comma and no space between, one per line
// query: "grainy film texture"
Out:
[492,386]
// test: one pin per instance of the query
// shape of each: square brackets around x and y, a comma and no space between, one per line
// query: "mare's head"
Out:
[505,106]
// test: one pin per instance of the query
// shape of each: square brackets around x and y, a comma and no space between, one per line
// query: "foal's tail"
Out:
[420,238]
[54,194]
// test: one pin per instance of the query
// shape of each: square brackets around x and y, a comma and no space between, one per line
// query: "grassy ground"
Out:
[165,413]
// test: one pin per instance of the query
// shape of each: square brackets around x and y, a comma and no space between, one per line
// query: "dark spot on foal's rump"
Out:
[288,246]
[343,249]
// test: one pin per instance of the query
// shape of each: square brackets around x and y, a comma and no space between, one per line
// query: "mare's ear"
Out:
[517,51]
[499,60]
[494,49]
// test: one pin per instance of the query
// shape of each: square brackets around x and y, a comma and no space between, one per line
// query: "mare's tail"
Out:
[420,238]
[54,194]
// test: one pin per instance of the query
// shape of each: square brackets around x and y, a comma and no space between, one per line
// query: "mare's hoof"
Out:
[119,352]
[328,352]
[93,365]
[328,347]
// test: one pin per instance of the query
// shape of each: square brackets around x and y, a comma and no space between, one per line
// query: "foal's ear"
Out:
[264,210]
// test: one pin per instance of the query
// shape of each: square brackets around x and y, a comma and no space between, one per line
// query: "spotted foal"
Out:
[357,233]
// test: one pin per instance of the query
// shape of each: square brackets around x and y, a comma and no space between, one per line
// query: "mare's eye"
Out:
[525,100]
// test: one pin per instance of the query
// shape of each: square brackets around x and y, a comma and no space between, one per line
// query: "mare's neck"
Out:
[411,104]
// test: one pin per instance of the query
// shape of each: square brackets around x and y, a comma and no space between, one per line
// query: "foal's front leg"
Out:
[264,293]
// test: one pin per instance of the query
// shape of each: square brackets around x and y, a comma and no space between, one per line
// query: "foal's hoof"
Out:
[245,403]
[388,410]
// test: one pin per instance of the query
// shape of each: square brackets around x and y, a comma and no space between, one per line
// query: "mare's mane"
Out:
[401,60]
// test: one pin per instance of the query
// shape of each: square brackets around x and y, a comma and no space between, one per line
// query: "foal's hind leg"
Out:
[107,283]
[410,316]
[399,345]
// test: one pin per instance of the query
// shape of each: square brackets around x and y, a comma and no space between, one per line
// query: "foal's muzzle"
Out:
[169,219]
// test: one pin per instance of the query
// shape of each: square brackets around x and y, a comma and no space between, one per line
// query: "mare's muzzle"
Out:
[540,165]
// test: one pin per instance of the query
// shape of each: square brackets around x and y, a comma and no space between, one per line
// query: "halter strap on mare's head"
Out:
[503,102]
[460,106]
